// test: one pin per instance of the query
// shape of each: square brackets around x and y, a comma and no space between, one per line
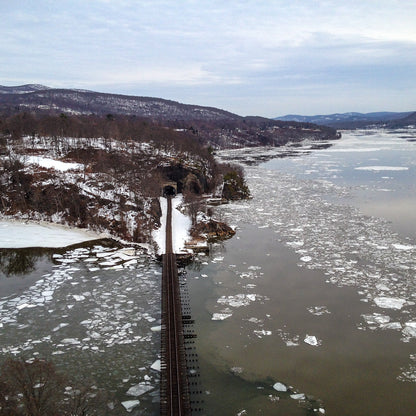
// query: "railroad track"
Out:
[174,391]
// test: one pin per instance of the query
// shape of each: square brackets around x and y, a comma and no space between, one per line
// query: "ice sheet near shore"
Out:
[14,234]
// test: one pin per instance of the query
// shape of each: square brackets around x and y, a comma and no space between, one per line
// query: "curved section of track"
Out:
[174,381]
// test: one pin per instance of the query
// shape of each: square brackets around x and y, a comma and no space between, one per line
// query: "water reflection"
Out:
[20,261]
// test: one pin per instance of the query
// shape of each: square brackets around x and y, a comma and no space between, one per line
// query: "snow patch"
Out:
[181,225]
[53,164]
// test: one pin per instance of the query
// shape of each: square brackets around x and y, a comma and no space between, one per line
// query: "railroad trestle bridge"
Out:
[179,369]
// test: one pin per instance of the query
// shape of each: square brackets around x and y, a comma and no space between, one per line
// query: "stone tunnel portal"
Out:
[169,189]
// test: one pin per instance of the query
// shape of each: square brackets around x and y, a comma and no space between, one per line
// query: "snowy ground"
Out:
[49,163]
[14,234]
[181,224]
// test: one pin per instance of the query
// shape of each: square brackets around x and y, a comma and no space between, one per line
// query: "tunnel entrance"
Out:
[169,189]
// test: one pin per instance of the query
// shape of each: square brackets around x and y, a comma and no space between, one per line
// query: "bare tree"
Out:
[194,205]
[35,388]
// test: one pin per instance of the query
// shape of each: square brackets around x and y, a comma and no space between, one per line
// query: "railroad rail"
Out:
[174,392]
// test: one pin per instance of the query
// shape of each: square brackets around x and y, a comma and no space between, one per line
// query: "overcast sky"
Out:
[251,57]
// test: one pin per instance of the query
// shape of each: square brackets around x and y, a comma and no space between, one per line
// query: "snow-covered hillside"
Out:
[37,97]
[108,184]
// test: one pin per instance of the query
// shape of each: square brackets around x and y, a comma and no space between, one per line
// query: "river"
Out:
[308,309]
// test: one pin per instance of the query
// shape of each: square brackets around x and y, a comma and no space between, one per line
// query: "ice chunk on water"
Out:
[60,326]
[238,300]
[25,305]
[312,340]
[129,405]
[139,389]
[156,328]
[298,396]
[295,244]
[156,365]
[392,325]
[376,318]
[220,316]
[318,310]
[410,329]
[279,386]
[404,247]
[71,341]
[389,303]
[261,333]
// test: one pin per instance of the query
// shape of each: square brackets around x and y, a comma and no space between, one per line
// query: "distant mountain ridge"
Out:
[40,98]
[22,89]
[348,120]
[211,125]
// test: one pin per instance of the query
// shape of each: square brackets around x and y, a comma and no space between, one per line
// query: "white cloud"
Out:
[188,75]
[240,48]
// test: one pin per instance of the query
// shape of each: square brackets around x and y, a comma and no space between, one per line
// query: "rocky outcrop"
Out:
[212,230]
[234,186]
[188,178]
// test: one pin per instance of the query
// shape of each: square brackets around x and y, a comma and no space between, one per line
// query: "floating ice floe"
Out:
[129,405]
[389,303]
[139,389]
[156,365]
[289,340]
[318,310]
[156,328]
[62,325]
[260,333]
[404,247]
[280,387]
[298,396]
[409,330]
[312,340]
[295,244]
[220,316]
[376,319]
[236,301]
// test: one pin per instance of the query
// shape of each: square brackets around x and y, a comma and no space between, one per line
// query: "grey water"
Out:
[94,311]
[315,295]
